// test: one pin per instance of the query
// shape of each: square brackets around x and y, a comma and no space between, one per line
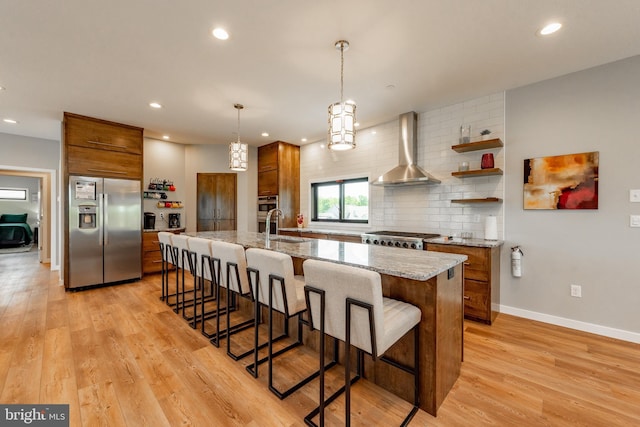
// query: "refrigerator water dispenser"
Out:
[87,216]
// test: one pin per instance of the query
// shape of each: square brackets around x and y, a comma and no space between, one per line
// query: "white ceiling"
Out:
[109,59]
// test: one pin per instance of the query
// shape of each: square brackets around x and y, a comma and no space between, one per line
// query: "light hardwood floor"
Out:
[120,357]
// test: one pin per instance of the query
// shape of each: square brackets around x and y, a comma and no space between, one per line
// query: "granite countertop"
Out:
[458,241]
[479,243]
[355,233]
[171,230]
[407,263]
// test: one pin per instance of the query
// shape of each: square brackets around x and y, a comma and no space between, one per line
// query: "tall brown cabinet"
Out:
[279,175]
[216,195]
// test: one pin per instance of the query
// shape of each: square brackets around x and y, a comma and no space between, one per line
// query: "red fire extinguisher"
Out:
[516,261]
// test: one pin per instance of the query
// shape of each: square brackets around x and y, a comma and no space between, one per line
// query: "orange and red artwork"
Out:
[562,182]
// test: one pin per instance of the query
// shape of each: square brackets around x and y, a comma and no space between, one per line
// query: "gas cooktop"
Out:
[404,234]
[398,239]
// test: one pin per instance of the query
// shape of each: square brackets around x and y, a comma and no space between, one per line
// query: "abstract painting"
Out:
[562,182]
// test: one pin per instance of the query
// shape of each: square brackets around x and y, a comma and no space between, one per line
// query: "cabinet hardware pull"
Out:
[108,144]
[467,263]
[107,170]
[157,262]
[466,297]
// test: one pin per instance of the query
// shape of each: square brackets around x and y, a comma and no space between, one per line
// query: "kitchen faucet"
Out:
[268,220]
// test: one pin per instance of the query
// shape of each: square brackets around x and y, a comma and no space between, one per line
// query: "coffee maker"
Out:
[174,220]
[149,220]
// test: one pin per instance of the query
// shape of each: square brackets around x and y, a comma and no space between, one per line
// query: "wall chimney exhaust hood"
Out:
[407,172]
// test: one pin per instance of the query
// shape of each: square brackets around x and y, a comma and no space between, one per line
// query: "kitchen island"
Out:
[431,281]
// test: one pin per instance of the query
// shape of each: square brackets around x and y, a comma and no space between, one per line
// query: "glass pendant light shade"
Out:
[238,152]
[342,132]
[342,115]
[238,156]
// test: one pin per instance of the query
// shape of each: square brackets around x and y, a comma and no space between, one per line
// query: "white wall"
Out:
[38,155]
[591,110]
[423,208]
[215,159]
[165,160]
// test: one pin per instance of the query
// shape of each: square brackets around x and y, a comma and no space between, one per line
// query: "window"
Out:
[19,194]
[341,201]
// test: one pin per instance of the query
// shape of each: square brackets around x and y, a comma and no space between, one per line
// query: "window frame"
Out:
[10,199]
[341,202]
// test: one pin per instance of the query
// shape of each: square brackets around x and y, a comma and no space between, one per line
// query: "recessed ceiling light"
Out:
[356,124]
[10,121]
[1,87]
[165,136]
[265,134]
[550,28]
[373,132]
[220,33]
[304,140]
[155,105]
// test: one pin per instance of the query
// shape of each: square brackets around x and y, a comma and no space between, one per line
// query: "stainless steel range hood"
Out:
[407,172]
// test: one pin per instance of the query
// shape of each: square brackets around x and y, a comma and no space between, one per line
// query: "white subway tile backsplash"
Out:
[420,208]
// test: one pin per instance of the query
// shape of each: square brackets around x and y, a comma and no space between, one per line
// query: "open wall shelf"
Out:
[479,145]
[477,172]
[485,200]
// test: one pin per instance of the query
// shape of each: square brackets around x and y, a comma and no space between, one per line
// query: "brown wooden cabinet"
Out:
[95,147]
[151,256]
[216,196]
[481,279]
[279,174]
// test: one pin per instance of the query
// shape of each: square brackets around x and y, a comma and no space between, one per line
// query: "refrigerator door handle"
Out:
[100,220]
[105,228]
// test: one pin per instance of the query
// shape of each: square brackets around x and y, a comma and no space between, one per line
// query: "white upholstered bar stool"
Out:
[346,303]
[274,285]
[231,273]
[201,248]
[184,260]
[167,252]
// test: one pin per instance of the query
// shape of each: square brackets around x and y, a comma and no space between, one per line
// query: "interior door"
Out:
[216,201]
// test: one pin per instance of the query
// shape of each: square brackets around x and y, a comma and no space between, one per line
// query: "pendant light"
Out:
[342,115]
[238,152]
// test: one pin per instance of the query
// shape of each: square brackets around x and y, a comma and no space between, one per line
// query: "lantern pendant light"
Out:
[238,152]
[342,115]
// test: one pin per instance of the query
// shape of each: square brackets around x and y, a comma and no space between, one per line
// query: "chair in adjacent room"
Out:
[275,286]
[346,302]
[230,267]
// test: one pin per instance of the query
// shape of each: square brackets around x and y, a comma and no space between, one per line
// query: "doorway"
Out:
[44,210]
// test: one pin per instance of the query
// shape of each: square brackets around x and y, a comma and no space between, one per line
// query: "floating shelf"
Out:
[485,200]
[479,145]
[477,172]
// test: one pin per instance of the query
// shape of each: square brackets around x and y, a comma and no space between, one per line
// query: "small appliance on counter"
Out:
[149,220]
[174,220]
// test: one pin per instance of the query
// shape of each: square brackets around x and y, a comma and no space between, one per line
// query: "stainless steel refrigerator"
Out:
[105,231]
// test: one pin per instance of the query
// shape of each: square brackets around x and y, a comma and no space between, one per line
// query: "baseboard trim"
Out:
[573,324]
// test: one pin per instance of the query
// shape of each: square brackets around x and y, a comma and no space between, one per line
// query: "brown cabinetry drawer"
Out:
[268,183]
[150,242]
[475,267]
[111,164]
[476,299]
[152,262]
[102,135]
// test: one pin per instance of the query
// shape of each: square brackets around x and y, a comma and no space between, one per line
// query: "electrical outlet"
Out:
[162,216]
[634,196]
[576,291]
[634,220]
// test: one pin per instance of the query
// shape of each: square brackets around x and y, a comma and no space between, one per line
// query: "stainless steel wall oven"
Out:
[265,204]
